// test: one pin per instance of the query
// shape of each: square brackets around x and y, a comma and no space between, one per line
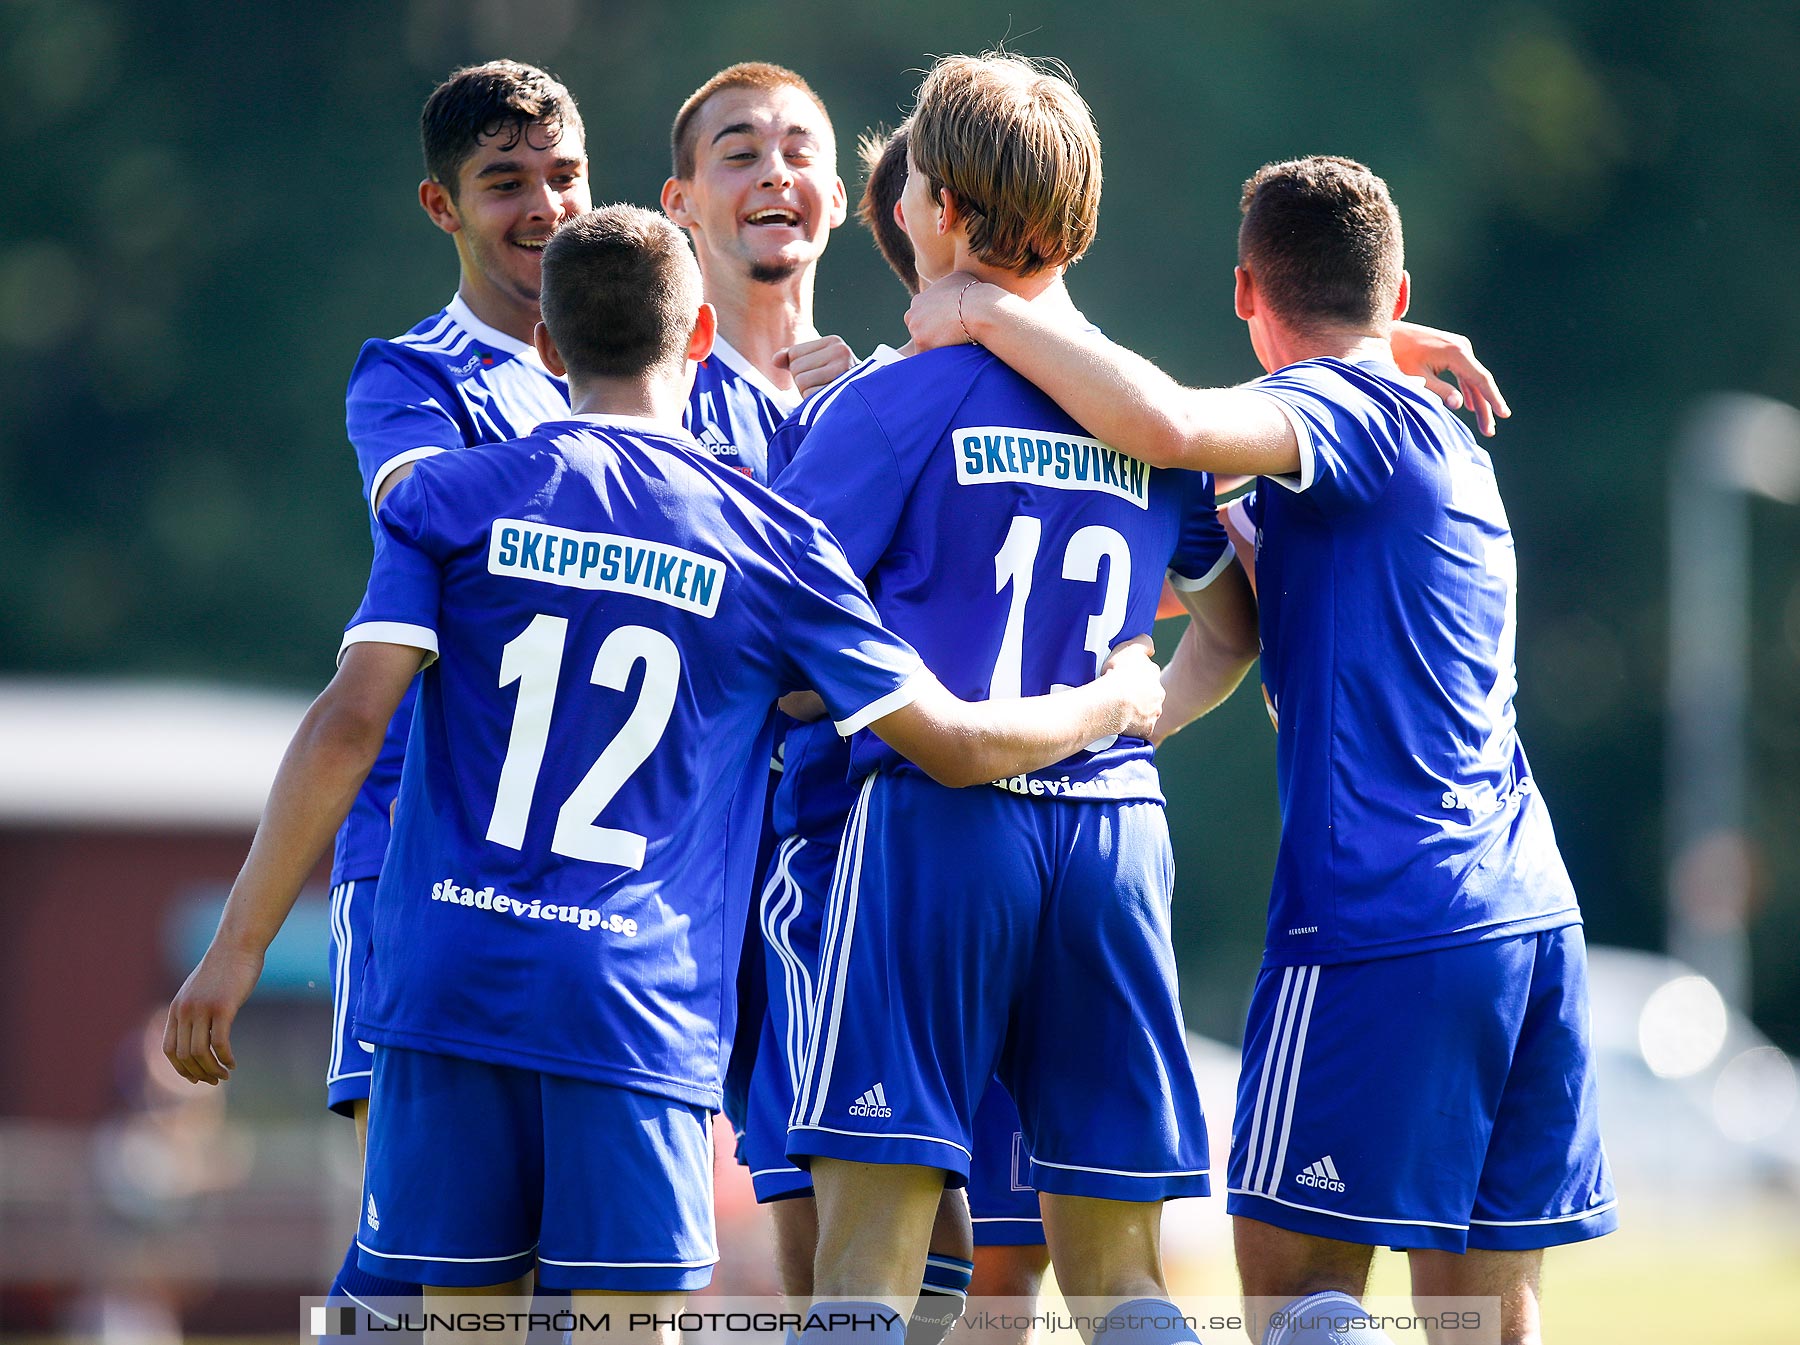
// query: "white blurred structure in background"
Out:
[1736,445]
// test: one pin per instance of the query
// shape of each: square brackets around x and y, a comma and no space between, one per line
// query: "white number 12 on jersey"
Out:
[533,659]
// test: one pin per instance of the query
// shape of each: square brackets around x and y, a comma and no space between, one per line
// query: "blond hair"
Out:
[1017,145]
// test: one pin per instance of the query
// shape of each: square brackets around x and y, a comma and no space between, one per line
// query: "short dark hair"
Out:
[479,101]
[764,75]
[620,292]
[1321,239]
[884,164]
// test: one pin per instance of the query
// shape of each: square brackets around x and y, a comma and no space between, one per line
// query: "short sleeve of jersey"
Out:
[395,413]
[406,579]
[846,476]
[1349,441]
[834,642]
[1202,549]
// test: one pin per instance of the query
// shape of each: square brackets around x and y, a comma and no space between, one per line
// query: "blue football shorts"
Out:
[1002,1203]
[974,933]
[1442,1099]
[477,1173]
[352,916]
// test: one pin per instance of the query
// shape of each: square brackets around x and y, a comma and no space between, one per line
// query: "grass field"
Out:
[1665,1278]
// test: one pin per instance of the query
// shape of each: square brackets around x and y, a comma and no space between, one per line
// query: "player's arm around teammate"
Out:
[959,743]
[1216,650]
[1127,400]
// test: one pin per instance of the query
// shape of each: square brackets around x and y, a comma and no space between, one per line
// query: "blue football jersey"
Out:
[734,410]
[613,615]
[817,790]
[451,382]
[1011,549]
[455,382]
[1387,586]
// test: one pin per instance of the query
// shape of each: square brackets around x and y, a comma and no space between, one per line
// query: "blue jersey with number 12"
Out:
[613,616]
[454,382]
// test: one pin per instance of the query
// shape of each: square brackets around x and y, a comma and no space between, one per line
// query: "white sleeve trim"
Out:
[1309,461]
[904,694]
[1182,584]
[393,632]
[383,472]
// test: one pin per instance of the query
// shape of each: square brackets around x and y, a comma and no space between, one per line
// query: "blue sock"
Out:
[942,1297]
[1330,1317]
[372,1293]
[853,1322]
[1144,1321]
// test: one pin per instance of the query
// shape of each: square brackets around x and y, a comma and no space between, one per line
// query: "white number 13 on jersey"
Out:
[533,659]
[1081,562]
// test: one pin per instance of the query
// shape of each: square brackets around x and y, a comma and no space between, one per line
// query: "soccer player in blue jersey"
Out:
[1417,1068]
[755,183]
[505,163]
[604,616]
[991,1243]
[1022,930]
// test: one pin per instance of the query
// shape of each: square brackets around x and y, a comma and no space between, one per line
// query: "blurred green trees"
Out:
[210,210]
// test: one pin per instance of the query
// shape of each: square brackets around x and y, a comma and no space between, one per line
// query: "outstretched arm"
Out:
[332,751]
[1120,397]
[1215,652]
[961,743]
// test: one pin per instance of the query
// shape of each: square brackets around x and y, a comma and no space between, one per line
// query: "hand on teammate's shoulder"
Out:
[1429,353]
[937,316]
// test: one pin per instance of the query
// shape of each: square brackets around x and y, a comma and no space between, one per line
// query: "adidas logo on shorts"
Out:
[373,1217]
[872,1103]
[1322,1174]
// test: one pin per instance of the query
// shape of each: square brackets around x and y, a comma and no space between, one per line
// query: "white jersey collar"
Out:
[733,360]
[611,421]
[465,318]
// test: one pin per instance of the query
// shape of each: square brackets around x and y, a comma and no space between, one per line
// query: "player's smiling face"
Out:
[765,194]
[512,192]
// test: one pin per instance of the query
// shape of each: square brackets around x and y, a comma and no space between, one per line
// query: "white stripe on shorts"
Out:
[457,1260]
[834,965]
[636,1265]
[888,1135]
[1118,1172]
[783,901]
[1274,1116]
[1553,1219]
[1311,976]
[1353,1218]
[341,897]
[1253,1150]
